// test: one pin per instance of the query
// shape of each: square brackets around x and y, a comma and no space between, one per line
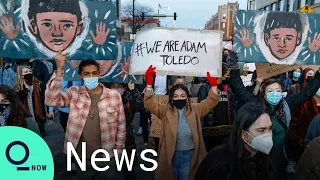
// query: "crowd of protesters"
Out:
[265,131]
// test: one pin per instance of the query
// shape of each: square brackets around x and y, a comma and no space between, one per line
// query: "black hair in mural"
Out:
[41,6]
[59,30]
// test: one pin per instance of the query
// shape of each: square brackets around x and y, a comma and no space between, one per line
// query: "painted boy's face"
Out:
[282,42]
[57,30]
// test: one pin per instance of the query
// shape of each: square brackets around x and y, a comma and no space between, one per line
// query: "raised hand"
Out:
[131,85]
[212,80]
[314,45]
[101,33]
[60,59]
[245,37]
[260,79]
[125,67]
[7,26]
[149,75]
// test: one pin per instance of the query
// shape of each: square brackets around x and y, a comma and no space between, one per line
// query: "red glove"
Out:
[212,80]
[149,75]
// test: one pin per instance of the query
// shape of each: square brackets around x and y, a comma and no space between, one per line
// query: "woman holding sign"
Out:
[272,98]
[181,147]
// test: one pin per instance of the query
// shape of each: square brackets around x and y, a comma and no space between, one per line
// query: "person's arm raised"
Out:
[212,99]
[149,102]
[53,95]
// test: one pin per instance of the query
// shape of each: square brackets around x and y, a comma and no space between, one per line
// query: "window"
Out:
[224,16]
[252,5]
[281,5]
[267,8]
[301,3]
[223,25]
[291,3]
[273,6]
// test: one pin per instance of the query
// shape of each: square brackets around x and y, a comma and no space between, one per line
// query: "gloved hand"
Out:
[232,61]
[149,75]
[212,80]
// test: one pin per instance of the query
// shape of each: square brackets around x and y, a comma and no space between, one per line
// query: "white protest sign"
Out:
[247,80]
[181,52]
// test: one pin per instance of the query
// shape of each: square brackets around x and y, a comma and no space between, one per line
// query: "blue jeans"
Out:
[181,163]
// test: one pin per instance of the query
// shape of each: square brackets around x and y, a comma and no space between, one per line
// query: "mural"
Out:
[277,37]
[116,71]
[38,29]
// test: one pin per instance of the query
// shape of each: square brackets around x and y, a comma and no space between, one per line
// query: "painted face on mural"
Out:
[54,24]
[57,30]
[282,42]
[105,66]
[283,33]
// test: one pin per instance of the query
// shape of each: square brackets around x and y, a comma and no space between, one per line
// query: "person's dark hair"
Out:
[18,112]
[41,6]
[302,80]
[87,63]
[175,78]
[276,20]
[244,118]
[263,90]
[171,94]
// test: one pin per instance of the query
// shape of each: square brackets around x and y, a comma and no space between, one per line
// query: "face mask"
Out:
[28,78]
[318,92]
[179,104]
[120,90]
[91,83]
[5,111]
[274,98]
[309,78]
[296,75]
[262,143]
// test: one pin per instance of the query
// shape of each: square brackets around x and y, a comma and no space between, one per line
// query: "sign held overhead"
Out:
[178,52]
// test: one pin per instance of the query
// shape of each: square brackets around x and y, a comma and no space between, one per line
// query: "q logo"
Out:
[24,155]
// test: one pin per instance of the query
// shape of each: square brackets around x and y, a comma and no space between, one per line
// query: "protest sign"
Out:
[115,71]
[270,70]
[38,29]
[178,52]
[247,80]
[277,37]
[155,128]
[156,123]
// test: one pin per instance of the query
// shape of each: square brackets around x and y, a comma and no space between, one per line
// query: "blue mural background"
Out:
[289,43]
[118,73]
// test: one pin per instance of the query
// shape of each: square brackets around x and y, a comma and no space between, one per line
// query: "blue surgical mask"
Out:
[274,98]
[91,83]
[296,75]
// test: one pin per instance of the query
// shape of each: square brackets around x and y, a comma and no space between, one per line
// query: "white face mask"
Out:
[262,143]
[318,92]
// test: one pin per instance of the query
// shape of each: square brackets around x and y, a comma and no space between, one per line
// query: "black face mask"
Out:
[226,81]
[28,78]
[309,78]
[179,104]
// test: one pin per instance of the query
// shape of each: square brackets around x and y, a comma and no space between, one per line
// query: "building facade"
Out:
[283,5]
[223,20]
[126,29]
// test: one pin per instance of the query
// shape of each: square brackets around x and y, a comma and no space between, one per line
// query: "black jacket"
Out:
[132,102]
[235,83]
[208,120]
[216,165]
